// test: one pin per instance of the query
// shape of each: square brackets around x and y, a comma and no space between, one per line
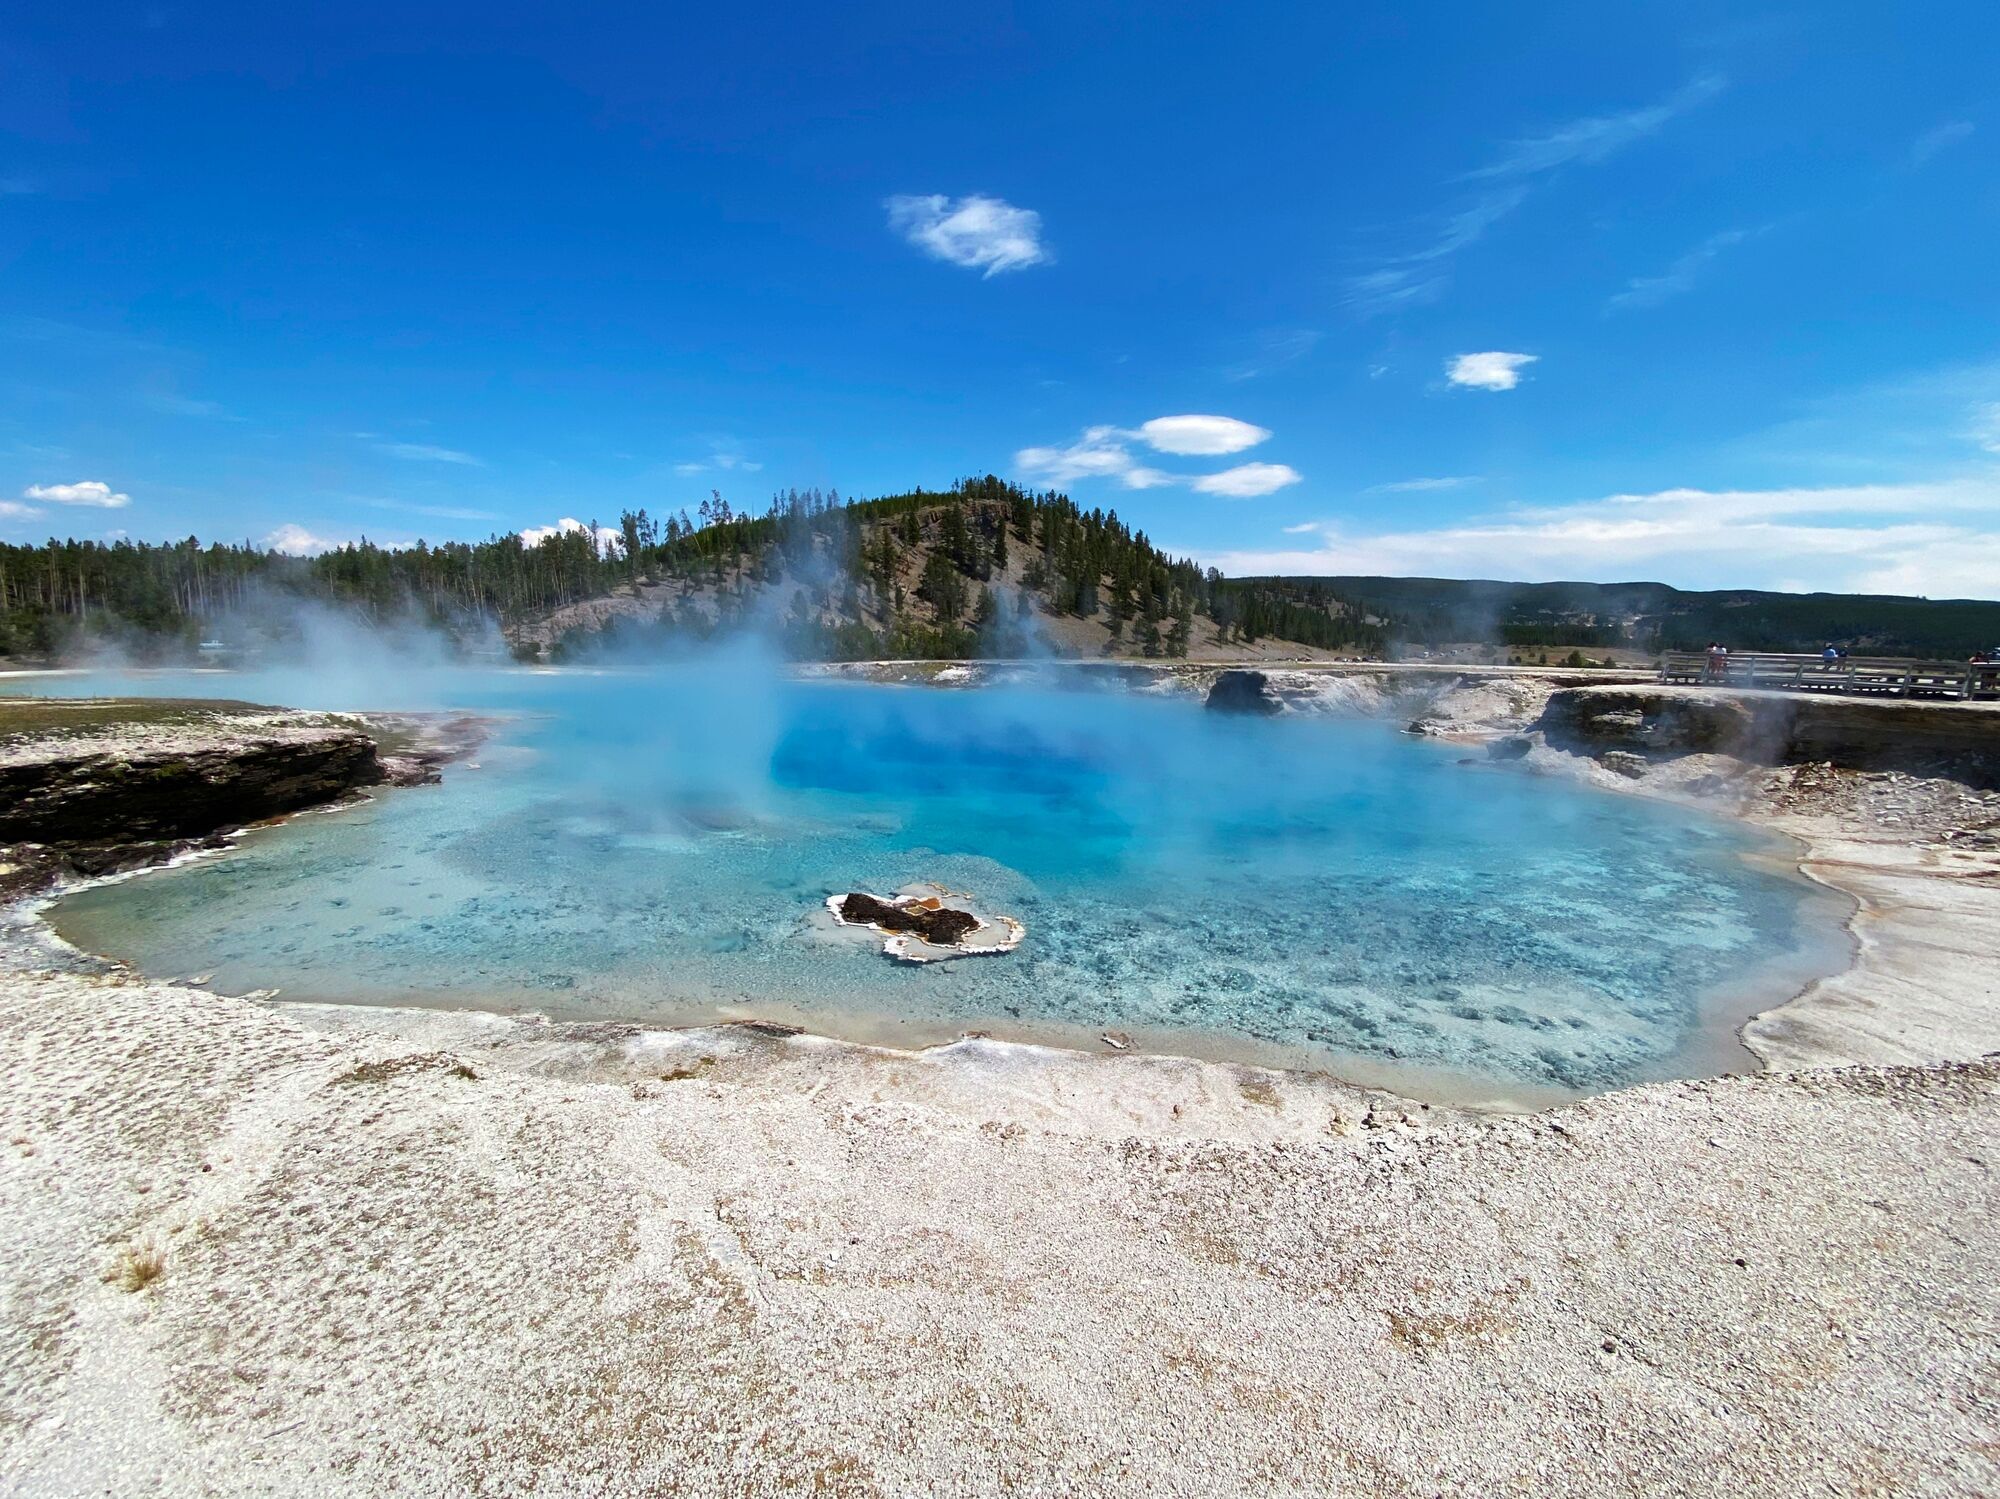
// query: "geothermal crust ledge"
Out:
[257,1249]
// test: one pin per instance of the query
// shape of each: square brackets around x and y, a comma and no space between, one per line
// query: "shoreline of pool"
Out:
[1716,1043]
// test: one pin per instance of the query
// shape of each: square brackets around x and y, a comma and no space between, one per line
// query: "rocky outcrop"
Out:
[1662,720]
[1242,692]
[1957,740]
[96,797]
[92,786]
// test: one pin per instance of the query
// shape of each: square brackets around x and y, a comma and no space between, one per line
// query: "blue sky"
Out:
[1688,292]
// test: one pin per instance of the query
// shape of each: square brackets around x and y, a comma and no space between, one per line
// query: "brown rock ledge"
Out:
[92,785]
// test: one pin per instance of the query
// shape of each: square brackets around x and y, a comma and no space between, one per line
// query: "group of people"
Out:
[1716,660]
[1715,666]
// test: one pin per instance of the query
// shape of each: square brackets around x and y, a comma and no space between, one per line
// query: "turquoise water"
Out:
[658,846]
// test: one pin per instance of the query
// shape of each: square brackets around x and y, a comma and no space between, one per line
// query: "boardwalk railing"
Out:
[1889,676]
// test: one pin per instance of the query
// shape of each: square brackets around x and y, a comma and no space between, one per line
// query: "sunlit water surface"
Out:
[658,846]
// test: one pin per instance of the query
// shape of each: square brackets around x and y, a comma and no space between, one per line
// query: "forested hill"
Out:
[984,568]
[1655,616]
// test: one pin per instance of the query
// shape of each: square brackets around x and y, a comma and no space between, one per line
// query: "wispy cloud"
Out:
[171,404]
[1420,275]
[439,512]
[1596,137]
[13,510]
[1248,481]
[1101,453]
[725,459]
[1917,424]
[1942,138]
[39,452]
[89,492]
[1986,426]
[422,452]
[1418,486]
[1490,371]
[1678,278]
[989,235]
[1274,351]
[1939,539]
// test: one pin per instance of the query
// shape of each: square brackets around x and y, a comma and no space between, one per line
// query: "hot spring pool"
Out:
[1318,891]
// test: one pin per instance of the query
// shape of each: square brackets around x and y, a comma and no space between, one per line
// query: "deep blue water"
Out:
[658,846]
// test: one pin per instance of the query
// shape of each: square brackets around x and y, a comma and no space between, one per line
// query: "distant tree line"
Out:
[1656,616]
[953,573]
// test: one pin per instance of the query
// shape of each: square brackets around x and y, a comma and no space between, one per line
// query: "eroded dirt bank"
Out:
[252,1249]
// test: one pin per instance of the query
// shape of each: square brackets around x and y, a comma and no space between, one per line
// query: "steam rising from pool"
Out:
[658,845]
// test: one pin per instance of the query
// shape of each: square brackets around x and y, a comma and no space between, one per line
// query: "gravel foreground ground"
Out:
[270,1249]
[251,1258]
[246,1257]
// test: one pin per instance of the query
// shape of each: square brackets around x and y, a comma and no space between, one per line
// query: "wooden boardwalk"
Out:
[1882,676]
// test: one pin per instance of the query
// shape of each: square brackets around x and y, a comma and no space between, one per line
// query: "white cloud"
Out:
[1491,371]
[1303,529]
[423,452]
[1105,453]
[85,492]
[608,538]
[1940,539]
[985,234]
[1650,291]
[1421,275]
[1249,480]
[1099,454]
[1418,486]
[297,541]
[1945,136]
[9,510]
[1203,435]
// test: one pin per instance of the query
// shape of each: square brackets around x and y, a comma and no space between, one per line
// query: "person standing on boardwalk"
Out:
[1717,667]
